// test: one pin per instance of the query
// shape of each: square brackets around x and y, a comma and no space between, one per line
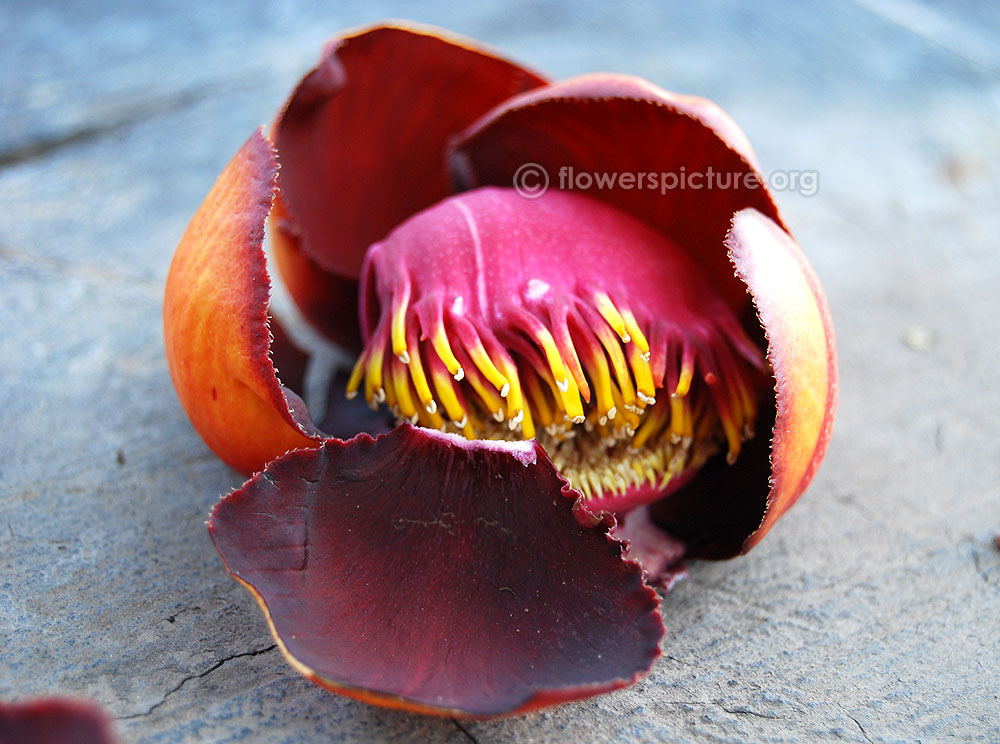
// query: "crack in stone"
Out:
[87,132]
[741,711]
[860,727]
[200,675]
[465,731]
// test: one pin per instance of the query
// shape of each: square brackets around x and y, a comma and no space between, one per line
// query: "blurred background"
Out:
[868,614]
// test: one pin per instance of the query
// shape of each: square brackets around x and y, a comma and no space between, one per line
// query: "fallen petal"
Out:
[421,571]
[54,721]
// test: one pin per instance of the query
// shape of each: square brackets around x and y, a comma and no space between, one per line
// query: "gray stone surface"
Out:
[869,614]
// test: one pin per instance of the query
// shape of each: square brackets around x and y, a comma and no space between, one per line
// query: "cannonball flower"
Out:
[538,373]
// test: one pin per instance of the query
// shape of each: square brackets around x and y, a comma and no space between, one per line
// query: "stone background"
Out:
[870,613]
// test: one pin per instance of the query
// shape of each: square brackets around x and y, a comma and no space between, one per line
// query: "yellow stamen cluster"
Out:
[586,384]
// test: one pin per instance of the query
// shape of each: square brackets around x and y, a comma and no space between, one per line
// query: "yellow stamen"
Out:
[610,313]
[632,328]
[401,301]
[646,391]
[440,342]
[687,372]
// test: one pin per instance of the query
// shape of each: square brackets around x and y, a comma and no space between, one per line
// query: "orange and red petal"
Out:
[424,572]
[215,321]
[54,721]
[801,349]
[363,137]
[727,509]
[670,147]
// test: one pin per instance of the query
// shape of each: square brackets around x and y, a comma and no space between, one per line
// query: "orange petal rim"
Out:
[425,572]
[362,139]
[215,321]
[726,510]
[801,349]
[54,721]
[617,124]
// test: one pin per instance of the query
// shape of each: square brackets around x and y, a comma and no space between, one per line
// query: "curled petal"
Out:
[362,138]
[610,125]
[215,321]
[728,509]
[421,571]
[54,721]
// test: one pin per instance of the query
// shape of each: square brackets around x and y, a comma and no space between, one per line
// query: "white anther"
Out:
[563,384]
[602,420]
[498,415]
[505,390]
[612,412]
[644,356]
[518,417]
[626,338]
[432,407]
[414,419]
[460,375]
[579,419]
[403,356]
[352,394]
[380,395]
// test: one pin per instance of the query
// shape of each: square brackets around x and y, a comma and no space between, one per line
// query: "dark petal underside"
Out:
[53,721]
[420,571]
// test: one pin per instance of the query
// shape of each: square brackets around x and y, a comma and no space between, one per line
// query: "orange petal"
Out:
[215,321]
[362,139]
[727,509]
[801,349]
[607,124]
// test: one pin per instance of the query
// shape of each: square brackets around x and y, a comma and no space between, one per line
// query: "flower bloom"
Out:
[550,360]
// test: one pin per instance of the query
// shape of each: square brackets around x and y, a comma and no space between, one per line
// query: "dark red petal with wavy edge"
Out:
[727,510]
[614,124]
[53,721]
[362,139]
[421,571]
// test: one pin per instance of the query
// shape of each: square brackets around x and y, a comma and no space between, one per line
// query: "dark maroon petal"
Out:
[421,571]
[328,301]
[53,721]
[362,139]
[618,124]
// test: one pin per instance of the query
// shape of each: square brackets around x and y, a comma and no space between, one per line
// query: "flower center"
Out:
[564,319]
